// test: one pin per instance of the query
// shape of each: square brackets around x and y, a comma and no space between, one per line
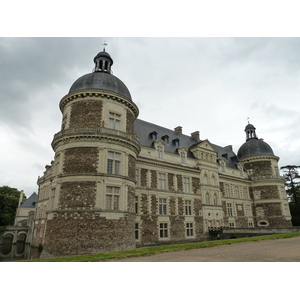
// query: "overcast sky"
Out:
[208,84]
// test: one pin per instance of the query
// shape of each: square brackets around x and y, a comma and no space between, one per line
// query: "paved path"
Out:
[281,250]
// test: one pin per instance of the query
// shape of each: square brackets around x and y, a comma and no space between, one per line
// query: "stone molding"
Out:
[101,133]
[98,94]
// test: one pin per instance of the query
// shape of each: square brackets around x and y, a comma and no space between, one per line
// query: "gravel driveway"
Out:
[280,250]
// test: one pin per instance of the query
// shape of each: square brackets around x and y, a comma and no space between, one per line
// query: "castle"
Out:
[118,182]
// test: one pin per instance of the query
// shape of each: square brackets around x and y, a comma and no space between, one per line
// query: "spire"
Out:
[250,132]
[103,61]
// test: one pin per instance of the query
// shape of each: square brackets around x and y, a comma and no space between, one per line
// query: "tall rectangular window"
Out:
[188,207]
[161,181]
[229,209]
[113,163]
[162,206]
[163,230]
[186,185]
[137,229]
[112,197]
[237,192]
[159,151]
[136,205]
[114,121]
[227,190]
[189,229]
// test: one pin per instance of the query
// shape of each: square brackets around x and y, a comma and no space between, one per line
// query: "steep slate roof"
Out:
[144,130]
[30,202]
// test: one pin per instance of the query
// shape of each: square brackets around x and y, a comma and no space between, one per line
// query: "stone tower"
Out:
[86,197]
[270,204]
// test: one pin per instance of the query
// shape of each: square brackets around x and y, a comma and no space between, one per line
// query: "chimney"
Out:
[196,136]
[178,129]
[229,147]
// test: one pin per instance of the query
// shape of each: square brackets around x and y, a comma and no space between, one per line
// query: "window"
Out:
[161,181]
[188,207]
[229,209]
[227,190]
[162,206]
[113,163]
[137,176]
[215,199]
[207,199]
[231,224]
[112,197]
[183,157]
[205,179]
[136,231]
[114,121]
[189,229]
[237,192]
[163,230]
[159,150]
[136,205]
[186,185]
[213,181]
[176,142]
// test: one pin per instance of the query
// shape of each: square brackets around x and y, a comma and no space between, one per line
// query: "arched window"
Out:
[207,199]
[215,199]
[213,181]
[7,244]
[205,180]
[21,243]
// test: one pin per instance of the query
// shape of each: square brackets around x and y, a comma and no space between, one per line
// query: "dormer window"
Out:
[159,146]
[176,142]
[165,138]
[183,154]
[153,135]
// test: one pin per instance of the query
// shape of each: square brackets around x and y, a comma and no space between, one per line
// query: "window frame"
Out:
[113,163]
[114,120]
[162,206]
[114,202]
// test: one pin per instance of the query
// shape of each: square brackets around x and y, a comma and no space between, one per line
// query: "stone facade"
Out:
[117,182]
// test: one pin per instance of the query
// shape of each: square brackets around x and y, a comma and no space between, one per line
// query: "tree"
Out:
[292,177]
[9,200]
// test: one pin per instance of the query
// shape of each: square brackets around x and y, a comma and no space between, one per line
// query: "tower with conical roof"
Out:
[267,186]
[86,197]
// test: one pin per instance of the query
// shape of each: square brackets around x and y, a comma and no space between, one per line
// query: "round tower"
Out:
[92,182]
[270,203]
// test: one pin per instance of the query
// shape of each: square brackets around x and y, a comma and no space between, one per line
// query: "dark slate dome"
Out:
[101,78]
[101,81]
[254,147]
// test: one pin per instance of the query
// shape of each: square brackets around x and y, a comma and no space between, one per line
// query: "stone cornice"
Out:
[98,94]
[100,133]
[167,165]
[262,157]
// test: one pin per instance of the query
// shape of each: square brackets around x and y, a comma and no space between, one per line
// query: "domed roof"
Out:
[101,81]
[103,54]
[249,126]
[254,147]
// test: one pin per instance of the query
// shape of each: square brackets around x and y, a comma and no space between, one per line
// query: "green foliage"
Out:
[295,212]
[164,248]
[292,177]
[9,200]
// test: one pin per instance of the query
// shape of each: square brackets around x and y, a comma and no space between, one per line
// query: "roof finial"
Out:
[248,120]
[104,44]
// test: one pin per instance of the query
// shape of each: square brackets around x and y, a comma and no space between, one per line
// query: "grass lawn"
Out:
[159,249]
